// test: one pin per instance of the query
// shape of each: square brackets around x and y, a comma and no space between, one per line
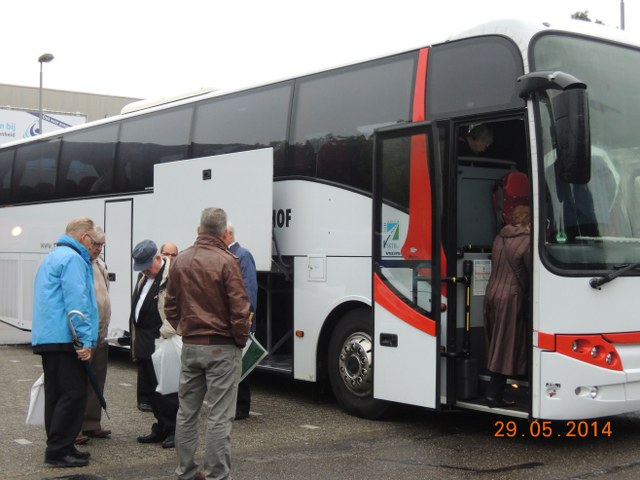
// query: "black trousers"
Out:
[165,407]
[65,394]
[140,395]
[243,403]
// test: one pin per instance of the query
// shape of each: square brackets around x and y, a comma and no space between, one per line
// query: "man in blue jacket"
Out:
[64,282]
[250,280]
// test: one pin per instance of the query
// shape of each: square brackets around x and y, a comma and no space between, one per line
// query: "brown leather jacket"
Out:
[206,301]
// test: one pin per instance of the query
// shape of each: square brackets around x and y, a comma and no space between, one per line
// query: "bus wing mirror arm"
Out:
[546,80]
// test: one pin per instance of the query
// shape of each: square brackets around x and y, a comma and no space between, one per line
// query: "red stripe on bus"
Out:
[384,297]
[419,92]
[629,337]
[417,245]
[546,341]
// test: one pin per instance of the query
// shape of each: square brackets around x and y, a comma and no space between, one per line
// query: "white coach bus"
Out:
[371,229]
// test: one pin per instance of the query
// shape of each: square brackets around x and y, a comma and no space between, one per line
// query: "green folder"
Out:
[252,355]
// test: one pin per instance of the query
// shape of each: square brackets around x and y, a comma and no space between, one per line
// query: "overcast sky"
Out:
[155,48]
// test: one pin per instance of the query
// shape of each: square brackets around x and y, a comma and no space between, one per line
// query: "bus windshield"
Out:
[594,225]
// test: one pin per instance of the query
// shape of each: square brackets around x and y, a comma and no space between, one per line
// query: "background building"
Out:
[20,107]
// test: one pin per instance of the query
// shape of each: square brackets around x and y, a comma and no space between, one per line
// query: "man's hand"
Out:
[84,354]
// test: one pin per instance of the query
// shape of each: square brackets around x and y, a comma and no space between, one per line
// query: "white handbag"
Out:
[166,363]
[35,415]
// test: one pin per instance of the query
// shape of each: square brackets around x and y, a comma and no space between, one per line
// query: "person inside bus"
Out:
[475,140]
[505,305]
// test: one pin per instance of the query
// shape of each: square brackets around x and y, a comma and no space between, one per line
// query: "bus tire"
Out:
[350,366]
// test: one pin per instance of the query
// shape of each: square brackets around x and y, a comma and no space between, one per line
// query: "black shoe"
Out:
[67,461]
[242,414]
[154,437]
[78,454]
[499,402]
[145,407]
[170,441]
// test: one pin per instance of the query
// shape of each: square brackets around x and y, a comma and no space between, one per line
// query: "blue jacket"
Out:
[64,282]
[249,276]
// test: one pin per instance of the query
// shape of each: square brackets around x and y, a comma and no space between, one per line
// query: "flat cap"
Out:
[143,255]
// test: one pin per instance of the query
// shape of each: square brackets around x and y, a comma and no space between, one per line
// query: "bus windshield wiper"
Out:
[597,282]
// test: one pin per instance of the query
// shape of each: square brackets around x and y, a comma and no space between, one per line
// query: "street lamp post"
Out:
[44,58]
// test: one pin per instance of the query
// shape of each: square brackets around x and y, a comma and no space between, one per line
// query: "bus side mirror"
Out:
[573,137]
[571,121]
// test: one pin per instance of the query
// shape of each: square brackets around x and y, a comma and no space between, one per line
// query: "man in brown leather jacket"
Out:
[207,304]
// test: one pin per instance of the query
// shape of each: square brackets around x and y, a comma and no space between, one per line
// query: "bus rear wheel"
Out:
[351,367]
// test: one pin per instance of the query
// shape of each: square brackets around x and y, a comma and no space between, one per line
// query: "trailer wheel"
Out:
[351,368]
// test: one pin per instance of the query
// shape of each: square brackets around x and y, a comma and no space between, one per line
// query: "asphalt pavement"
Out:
[275,422]
[291,435]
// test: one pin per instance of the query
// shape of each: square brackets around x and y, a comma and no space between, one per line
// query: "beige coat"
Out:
[166,330]
[101,284]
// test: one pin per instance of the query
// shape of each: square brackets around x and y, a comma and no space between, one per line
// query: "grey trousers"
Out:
[212,371]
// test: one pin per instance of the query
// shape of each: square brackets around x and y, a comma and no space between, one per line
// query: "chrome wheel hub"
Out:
[355,364]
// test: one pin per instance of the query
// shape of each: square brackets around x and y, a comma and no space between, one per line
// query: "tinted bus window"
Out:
[246,121]
[473,76]
[396,172]
[87,162]
[149,139]
[35,168]
[335,115]
[6,167]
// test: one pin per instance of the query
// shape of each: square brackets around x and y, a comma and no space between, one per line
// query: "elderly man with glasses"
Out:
[92,426]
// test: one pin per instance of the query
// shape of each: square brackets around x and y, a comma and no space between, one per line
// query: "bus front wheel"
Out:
[351,367]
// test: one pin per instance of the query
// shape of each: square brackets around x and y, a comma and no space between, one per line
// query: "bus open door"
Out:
[407,265]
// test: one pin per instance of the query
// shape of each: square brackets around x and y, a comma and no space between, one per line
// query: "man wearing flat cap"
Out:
[147,315]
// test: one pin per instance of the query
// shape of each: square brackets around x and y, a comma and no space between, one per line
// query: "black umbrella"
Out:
[91,374]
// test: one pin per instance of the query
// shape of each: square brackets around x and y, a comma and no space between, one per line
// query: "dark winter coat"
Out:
[504,322]
[145,331]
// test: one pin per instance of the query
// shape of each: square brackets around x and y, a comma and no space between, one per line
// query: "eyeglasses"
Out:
[94,244]
[164,254]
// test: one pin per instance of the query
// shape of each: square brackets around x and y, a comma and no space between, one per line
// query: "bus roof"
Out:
[522,31]
[519,30]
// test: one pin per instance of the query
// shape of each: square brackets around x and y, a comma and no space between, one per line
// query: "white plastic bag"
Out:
[166,363]
[35,416]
